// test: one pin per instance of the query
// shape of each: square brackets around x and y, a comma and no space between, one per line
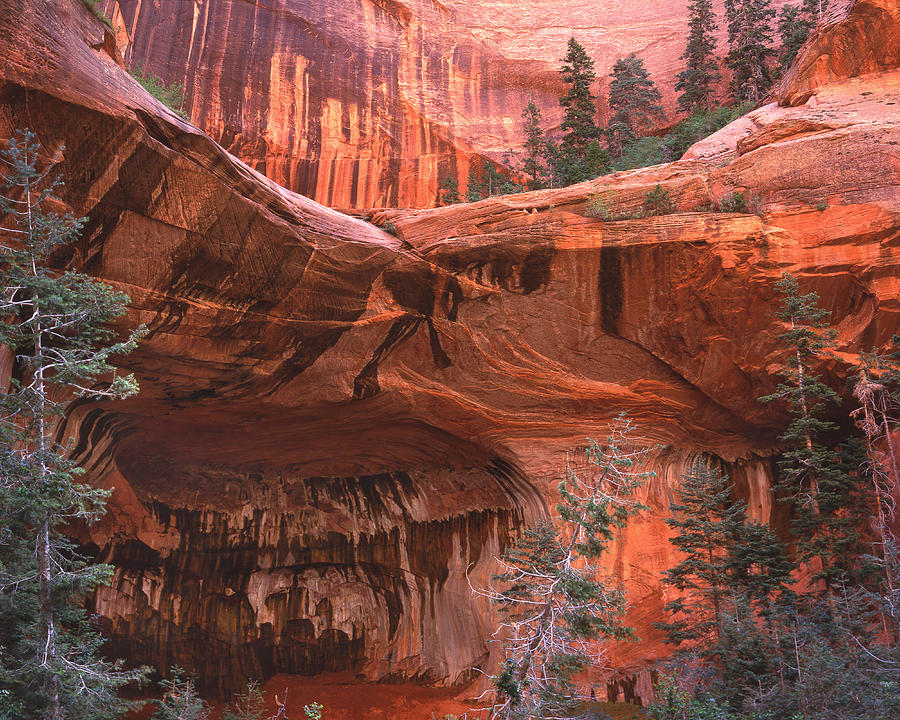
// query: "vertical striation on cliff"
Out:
[372,103]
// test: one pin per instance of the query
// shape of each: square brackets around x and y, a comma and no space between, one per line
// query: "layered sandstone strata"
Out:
[336,423]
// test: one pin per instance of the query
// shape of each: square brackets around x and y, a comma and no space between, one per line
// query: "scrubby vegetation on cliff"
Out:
[172,96]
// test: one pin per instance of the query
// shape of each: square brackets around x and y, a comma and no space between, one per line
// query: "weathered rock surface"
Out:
[855,38]
[335,422]
[372,103]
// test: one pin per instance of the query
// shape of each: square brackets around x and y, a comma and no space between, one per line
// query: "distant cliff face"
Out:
[337,425]
[371,103]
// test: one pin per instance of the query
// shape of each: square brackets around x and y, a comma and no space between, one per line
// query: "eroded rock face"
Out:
[337,423]
[373,103]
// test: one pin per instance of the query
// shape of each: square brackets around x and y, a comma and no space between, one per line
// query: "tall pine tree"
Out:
[535,147]
[750,34]
[725,556]
[818,477]
[55,324]
[793,27]
[634,102]
[696,82]
[795,23]
[579,125]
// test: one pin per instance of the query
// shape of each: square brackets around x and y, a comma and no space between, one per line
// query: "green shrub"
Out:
[657,202]
[700,125]
[643,152]
[172,96]
[598,207]
[180,700]
[247,705]
[736,202]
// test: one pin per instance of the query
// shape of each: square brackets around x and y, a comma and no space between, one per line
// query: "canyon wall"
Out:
[372,103]
[338,424]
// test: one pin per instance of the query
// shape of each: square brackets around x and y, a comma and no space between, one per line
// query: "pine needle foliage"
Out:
[250,704]
[818,477]
[634,102]
[57,325]
[557,608]
[727,559]
[696,83]
[180,700]
[449,190]
[750,35]
[535,151]
[578,125]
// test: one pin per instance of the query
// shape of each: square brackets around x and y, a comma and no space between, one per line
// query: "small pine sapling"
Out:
[180,700]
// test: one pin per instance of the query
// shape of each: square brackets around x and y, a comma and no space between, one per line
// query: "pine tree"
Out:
[706,520]
[634,102]
[449,190]
[818,479]
[696,82]
[750,36]
[56,324]
[475,189]
[555,604]
[579,125]
[815,10]
[250,704]
[726,556]
[535,147]
[180,700]
[794,28]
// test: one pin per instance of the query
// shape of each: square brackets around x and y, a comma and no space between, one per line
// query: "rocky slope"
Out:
[336,422]
[372,103]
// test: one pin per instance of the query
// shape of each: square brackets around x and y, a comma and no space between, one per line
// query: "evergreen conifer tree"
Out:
[726,557]
[180,700]
[794,28]
[795,23]
[750,34]
[819,479]
[814,9]
[706,520]
[489,182]
[55,324]
[696,82]
[535,147]
[634,102]
[475,188]
[579,125]
[449,190]
[555,604]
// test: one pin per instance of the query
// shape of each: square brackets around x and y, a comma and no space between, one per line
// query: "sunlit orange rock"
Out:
[338,424]
[373,103]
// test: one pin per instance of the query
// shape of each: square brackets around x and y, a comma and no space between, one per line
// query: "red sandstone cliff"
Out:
[335,422]
[371,104]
